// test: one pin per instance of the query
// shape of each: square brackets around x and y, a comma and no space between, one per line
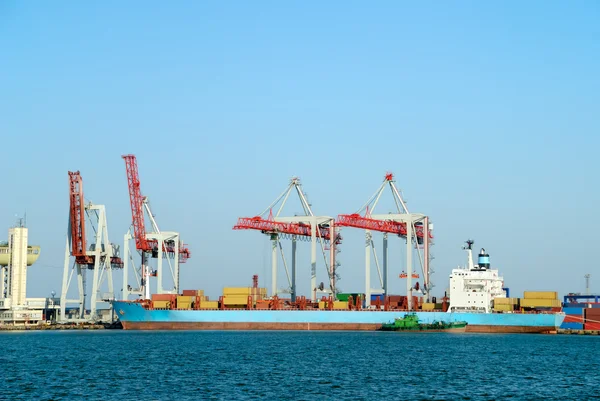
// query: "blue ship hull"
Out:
[134,316]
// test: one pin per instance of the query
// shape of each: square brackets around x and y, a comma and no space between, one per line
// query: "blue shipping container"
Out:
[375,297]
[574,305]
[573,311]
[572,326]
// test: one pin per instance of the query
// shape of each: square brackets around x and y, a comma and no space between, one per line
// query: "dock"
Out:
[579,332]
[58,326]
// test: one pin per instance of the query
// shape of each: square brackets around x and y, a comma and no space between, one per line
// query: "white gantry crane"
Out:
[319,229]
[410,226]
[101,257]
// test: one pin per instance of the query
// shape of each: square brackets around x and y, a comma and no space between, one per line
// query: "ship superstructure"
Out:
[474,287]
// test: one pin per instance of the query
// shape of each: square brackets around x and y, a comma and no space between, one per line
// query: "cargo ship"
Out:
[477,298]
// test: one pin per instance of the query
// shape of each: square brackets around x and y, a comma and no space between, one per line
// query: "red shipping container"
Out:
[573,319]
[592,312]
[591,326]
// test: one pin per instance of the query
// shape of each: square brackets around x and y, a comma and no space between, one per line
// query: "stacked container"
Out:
[163,301]
[238,296]
[540,299]
[505,304]
[573,317]
[185,301]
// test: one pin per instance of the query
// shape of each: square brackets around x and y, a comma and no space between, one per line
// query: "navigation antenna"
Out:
[587,284]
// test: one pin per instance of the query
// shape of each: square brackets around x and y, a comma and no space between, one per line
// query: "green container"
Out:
[344,296]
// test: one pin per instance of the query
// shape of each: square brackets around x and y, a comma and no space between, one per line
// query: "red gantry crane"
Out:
[150,244]
[101,257]
[309,226]
[410,226]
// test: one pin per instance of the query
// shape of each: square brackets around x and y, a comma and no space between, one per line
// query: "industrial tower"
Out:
[409,226]
[15,256]
[101,257]
[317,228]
[156,244]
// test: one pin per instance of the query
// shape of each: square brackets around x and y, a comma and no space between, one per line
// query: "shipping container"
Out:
[503,308]
[161,304]
[592,312]
[540,302]
[193,293]
[184,305]
[591,326]
[540,295]
[209,305]
[571,326]
[235,299]
[573,311]
[428,306]
[245,291]
[575,305]
[345,296]
[340,305]
[506,301]
[381,298]
[185,298]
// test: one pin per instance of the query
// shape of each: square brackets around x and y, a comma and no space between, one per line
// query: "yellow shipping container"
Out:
[427,306]
[321,304]
[542,303]
[237,291]
[160,304]
[506,301]
[503,308]
[235,299]
[209,305]
[540,295]
[340,304]
[244,291]
[184,305]
[184,298]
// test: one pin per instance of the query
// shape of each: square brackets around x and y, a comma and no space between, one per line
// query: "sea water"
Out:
[129,365]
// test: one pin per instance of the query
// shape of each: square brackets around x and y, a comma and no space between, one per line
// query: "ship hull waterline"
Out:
[233,326]
[134,317]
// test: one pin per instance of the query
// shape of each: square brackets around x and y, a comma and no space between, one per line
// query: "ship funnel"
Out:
[484,260]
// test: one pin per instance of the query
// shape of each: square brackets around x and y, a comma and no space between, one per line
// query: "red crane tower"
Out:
[410,226]
[101,257]
[321,228]
[155,243]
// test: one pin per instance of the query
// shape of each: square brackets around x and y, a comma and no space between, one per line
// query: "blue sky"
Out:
[485,112]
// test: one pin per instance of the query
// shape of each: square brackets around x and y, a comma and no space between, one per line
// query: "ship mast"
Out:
[469,249]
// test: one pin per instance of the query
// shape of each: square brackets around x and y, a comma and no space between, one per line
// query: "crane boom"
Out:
[77,214]
[137,204]
[271,226]
[384,226]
